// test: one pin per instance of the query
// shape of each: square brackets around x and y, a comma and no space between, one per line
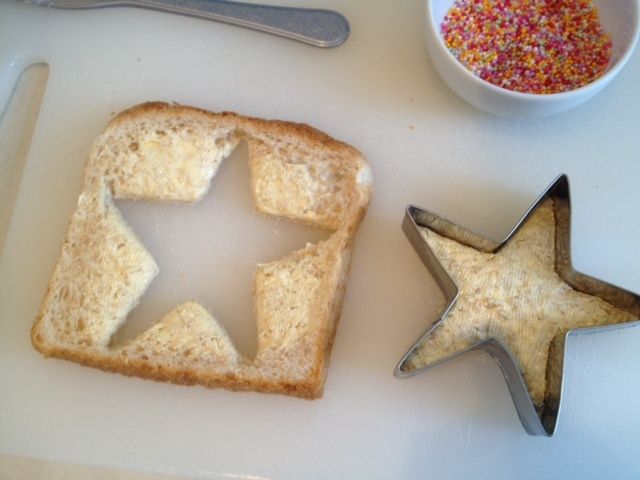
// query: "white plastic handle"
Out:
[12,65]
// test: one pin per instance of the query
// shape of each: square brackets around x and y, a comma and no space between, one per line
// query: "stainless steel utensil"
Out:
[534,422]
[321,28]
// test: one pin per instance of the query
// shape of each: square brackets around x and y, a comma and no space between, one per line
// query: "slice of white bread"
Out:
[162,152]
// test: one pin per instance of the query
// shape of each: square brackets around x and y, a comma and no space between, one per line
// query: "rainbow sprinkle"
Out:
[531,46]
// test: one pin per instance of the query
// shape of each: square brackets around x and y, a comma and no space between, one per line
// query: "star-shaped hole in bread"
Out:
[516,299]
[224,220]
[161,152]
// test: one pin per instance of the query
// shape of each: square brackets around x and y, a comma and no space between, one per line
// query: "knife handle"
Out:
[321,28]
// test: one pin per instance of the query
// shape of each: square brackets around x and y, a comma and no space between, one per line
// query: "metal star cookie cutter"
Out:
[535,422]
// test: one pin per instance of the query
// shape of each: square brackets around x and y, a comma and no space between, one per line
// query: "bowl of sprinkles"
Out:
[530,58]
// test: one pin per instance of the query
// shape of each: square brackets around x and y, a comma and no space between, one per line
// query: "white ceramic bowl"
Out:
[620,19]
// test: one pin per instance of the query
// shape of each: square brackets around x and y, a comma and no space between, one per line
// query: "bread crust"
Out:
[122,164]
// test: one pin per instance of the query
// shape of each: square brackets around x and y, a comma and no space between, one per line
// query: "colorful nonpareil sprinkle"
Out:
[532,46]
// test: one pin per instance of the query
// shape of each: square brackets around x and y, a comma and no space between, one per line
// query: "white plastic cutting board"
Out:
[380,93]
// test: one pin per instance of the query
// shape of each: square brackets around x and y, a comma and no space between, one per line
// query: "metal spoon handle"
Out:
[321,28]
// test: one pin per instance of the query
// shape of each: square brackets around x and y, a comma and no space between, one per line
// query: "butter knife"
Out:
[321,28]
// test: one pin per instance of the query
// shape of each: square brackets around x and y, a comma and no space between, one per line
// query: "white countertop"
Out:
[380,93]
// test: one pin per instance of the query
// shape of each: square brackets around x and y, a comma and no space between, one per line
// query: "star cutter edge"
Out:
[541,423]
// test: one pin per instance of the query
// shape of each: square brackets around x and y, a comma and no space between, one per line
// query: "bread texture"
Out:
[517,297]
[161,152]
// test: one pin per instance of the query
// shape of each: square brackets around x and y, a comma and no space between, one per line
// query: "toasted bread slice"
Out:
[162,152]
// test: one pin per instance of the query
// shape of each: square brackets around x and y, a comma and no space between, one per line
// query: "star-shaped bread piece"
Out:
[522,293]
